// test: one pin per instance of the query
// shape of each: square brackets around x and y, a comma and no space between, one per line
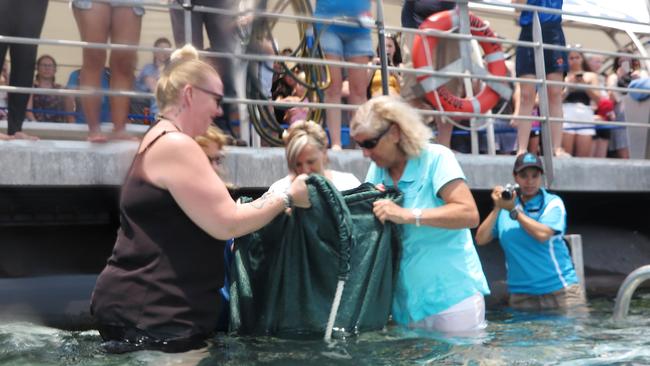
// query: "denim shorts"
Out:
[88,4]
[554,60]
[346,44]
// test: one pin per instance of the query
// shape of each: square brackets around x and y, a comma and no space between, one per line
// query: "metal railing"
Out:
[380,27]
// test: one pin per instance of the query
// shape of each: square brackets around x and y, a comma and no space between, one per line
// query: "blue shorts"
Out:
[346,44]
[88,4]
[554,60]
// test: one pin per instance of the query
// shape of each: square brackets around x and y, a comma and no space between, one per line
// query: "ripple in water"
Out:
[510,338]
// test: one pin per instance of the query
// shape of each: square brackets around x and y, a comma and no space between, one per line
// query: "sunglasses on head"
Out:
[371,143]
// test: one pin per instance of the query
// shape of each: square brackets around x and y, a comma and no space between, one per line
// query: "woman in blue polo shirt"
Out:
[440,284]
[530,226]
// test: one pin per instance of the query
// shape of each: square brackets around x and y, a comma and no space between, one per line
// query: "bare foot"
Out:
[124,136]
[336,148]
[96,137]
[561,153]
[23,136]
[4,137]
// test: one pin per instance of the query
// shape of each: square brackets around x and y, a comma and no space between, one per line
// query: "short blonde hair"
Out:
[299,135]
[184,68]
[377,114]
[214,135]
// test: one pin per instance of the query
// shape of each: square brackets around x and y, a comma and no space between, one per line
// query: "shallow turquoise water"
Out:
[512,338]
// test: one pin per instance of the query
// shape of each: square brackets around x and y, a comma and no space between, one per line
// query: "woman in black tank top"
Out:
[577,138]
[160,287]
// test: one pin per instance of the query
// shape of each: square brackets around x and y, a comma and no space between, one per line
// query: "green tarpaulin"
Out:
[284,276]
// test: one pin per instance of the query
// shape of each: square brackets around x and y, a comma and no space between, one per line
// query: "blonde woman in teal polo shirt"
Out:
[440,285]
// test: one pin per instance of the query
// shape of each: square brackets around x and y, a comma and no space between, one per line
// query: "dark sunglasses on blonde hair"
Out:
[371,143]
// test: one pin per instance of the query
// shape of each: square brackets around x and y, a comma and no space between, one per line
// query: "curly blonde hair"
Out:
[299,135]
[377,114]
[184,68]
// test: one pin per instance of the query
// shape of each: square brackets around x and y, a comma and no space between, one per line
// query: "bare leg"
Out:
[93,26]
[569,142]
[526,104]
[333,95]
[583,145]
[555,110]
[358,81]
[125,29]
[600,148]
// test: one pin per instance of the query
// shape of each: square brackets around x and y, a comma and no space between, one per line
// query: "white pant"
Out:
[468,316]
[578,112]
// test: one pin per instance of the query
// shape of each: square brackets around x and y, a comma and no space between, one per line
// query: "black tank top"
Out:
[578,96]
[165,272]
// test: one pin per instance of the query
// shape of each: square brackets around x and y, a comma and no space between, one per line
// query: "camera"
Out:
[508,191]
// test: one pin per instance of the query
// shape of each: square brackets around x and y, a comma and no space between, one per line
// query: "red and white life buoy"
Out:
[493,56]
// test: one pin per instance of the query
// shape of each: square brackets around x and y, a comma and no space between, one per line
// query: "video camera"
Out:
[508,191]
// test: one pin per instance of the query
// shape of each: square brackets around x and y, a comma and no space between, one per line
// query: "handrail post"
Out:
[625,292]
[575,244]
[540,73]
[187,20]
[381,34]
[466,57]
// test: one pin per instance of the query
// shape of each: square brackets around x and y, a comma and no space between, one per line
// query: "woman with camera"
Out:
[530,223]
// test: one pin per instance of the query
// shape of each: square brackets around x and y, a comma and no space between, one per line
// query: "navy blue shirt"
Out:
[414,12]
[526,17]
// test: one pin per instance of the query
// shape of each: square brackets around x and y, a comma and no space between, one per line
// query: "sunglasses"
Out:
[217,97]
[371,143]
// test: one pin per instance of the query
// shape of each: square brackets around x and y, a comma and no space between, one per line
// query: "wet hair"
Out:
[299,135]
[184,68]
[43,57]
[377,114]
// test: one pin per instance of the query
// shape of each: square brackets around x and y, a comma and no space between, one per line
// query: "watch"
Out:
[514,213]
[417,212]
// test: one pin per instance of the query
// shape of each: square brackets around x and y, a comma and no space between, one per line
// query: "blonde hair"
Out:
[377,114]
[299,135]
[184,68]
[216,136]
[212,135]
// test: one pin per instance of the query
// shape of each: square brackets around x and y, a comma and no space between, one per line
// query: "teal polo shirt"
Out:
[439,267]
[534,267]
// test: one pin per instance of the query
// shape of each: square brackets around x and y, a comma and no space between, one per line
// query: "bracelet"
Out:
[288,199]
[417,212]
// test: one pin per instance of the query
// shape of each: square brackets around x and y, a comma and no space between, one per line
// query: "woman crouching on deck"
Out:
[160,287]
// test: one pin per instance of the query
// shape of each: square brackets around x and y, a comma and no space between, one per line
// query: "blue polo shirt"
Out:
[536,268]
[439,267]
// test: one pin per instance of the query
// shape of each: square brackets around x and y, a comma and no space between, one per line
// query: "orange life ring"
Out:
[493,55]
